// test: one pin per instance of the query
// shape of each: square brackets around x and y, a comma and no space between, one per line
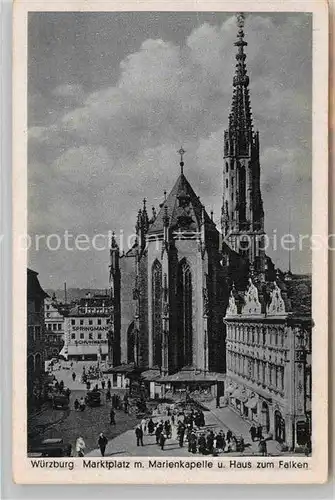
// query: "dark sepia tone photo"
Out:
[169,284]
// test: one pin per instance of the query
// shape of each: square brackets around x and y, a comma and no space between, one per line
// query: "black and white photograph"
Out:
[169,237]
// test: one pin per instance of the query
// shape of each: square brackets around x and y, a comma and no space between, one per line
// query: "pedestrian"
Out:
[158,431]
[108,395]
[181,434]
[109,384]
[88,385]
[193,438]
[162,439]
[112,416]
[102,443]
[253,432]
[76,404]
[139,435]
[202,444]
[172,418]
[167,427]
[229,435]
[73,376]
[260,432]
[262,447]
[151,426]
[61,386]
[210,442]
[144,425]
[82,404]
[103,383]
[80,447]
[188,437]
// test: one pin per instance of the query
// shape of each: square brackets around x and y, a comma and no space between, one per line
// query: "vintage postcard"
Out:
[170,242]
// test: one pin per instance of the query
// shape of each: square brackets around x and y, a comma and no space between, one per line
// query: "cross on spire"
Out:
[181,151]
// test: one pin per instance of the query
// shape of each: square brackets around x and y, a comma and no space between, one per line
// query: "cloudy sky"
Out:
[112,96]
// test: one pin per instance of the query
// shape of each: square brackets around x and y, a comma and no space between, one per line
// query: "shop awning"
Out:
[86,350]
[251,403]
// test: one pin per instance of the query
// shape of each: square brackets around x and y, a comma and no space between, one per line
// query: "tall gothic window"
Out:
[184,293]
[157,313]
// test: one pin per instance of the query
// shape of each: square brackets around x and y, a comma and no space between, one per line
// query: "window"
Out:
[99,321]
[232,182]
[81,336]
[49,326]
[226,183]
[59,326]
[232,215]
[81,322]
[226,166]
[90,322]
[232,197]
[99,336]
[156,277]
[184,301]
[90,336]
[54,326]
[47,307]
[73,335]
[37,332]
[73,322]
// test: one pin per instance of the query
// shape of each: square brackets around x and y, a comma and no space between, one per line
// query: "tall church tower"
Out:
[242,215]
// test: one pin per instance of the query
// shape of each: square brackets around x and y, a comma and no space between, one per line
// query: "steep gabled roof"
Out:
[181,189]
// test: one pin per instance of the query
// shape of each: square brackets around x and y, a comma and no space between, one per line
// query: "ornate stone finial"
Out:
[212,215]
[181,151]
[154,214]
[166,217]
[164,194]
[113,243]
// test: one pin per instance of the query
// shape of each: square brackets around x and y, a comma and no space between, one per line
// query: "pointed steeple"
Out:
[145,218]
[242,207]
[240,118]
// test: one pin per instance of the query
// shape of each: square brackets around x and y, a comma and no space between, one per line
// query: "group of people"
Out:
[81,445]
[92,372]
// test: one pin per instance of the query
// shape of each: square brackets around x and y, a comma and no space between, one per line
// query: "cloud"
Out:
[109,148]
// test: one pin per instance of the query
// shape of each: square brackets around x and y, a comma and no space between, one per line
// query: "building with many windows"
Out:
[269,356]
[54,327]
[35,336]
[86,329]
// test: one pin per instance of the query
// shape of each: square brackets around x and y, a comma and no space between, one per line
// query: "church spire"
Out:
[242,215]
[181,151]
[240,118]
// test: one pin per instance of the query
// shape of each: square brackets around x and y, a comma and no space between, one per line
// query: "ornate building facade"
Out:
[269,357]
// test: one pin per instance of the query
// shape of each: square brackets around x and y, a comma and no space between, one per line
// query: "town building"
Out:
[268,377]
[35,337]
[54,327]
[86,329]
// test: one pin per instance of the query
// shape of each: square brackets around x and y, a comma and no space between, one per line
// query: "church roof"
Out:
[172,208]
